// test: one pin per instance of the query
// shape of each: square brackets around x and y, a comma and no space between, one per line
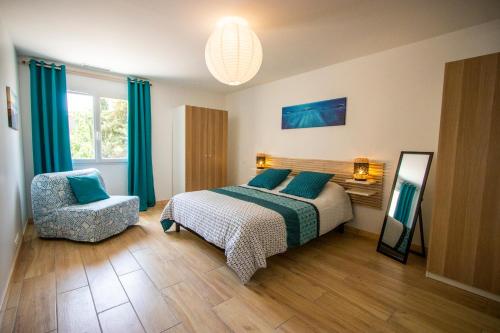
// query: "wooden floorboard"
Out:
[120,319]
[155,314]
[37,305]
[70,273]
[105,286]
[240,317]
[145,280]
[123,261]
[192,310]
[76,313]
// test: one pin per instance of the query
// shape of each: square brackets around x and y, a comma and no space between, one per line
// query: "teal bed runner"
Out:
[166,224]
[301,218]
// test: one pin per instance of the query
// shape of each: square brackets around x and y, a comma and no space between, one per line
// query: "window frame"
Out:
[96,108]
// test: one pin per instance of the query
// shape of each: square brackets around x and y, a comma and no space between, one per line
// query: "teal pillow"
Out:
[87,188]
[308,184]
[270,178]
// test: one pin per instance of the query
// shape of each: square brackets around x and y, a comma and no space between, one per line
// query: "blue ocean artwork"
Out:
[317,114]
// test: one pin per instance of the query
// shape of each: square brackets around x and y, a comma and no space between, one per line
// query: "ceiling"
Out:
[165,39]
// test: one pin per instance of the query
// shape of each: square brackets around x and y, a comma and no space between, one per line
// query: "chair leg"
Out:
[177,227]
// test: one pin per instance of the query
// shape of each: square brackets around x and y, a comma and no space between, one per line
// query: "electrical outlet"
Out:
[16,240]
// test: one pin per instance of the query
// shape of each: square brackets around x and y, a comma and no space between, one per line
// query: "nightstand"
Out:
[361,182]
[365,192]
[360,191]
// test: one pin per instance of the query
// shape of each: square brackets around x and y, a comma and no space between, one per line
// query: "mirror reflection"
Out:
[404,206]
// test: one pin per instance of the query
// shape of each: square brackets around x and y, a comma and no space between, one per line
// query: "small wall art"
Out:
[12,109]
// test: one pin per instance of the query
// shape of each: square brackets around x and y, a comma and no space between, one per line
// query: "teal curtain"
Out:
[140,165]
[405,200]
[49,118]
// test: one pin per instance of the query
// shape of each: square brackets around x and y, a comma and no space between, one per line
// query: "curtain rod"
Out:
[58,67]
[88,73]
[131,79]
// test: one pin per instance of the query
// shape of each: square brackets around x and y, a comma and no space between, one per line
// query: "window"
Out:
[98,128]
[113,128]
[81,126]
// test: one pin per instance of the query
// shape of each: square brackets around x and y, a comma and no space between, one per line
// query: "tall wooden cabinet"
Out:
[465,230]
[199,138]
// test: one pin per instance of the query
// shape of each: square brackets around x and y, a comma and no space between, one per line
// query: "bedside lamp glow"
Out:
[261,161]
[361,168]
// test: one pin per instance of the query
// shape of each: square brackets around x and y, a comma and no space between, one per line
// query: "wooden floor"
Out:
[146,280]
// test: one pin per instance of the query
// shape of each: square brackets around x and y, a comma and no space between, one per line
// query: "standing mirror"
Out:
[404,208]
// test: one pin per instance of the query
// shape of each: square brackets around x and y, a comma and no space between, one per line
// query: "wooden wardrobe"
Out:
[199,138]
[465,230]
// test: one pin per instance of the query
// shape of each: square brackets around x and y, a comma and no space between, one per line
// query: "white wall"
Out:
[164,98]
[12,194]
[394,103]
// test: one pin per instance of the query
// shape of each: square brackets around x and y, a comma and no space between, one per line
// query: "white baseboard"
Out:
[18,249]
[463,286]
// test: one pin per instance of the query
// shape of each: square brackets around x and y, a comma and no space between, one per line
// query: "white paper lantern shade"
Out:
[233,52]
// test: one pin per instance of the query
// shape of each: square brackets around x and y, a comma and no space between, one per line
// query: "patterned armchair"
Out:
[57,214]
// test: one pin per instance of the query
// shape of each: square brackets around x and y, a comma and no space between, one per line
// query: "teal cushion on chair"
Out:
[270,178]
[87,188]
[308,184]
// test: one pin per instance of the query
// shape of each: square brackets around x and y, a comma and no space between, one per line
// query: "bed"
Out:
[251,224]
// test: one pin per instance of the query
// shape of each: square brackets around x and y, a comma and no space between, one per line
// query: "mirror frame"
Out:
[403,258]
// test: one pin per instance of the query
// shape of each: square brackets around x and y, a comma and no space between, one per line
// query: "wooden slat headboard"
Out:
[343,171]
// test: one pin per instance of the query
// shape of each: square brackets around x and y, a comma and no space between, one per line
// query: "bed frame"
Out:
[178,229]
[343,171]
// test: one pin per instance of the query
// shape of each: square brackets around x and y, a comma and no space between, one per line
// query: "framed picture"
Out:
[318,114]
[12,109]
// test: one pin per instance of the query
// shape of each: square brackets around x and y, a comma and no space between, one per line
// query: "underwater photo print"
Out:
[318,114]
